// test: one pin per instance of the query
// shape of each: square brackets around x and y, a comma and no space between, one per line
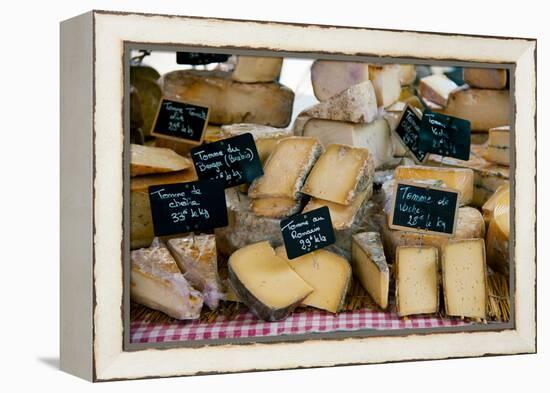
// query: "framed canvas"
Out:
[329,98]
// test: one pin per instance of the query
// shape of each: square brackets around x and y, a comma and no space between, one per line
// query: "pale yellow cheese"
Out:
[489,206]
[327,273]
[370,267]
[498,146]
[386,80]
[460,179]
[275,207]
[407,74]
[340,174]
[331,77]
[485,78]
[464,277]
[286,168]
[498,251]
[146,160]
[436,88]
[252,69]
[416,282]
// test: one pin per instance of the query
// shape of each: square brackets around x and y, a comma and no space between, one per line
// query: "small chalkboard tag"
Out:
[234,160]
[307,232]
[408,132]
[424,209]
[445,135]
[185,207]
[180,121]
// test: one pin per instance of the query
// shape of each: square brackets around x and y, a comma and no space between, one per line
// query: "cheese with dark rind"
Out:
[485,78]
[230,101]
[265,282]
[254,69]
[331,77]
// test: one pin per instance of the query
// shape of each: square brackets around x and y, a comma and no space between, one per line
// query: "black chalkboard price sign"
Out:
[180,121]
[234,160]
[424,209]
[185,207]
[307,232]
[445,135]
[408,131]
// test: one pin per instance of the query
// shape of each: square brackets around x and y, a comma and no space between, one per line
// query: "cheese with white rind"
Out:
[286,168]
[356,104]
[230,101]
[253,69]
[370,266]
[498,234]
[265,282]
[327,273]
[146,160]
[374,136]
[197,259]
[464,278]
[489,206]
[498,146]
[485,78]
[156,282]
[275,207]
[386,80]
[331,77]
[340,174]
[416,281]
[436,88]
[460,179]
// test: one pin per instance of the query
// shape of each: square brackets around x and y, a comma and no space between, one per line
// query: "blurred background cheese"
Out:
[252,69]
[407,74]
[386,80]
[331,77]
[436,88]
[485,78]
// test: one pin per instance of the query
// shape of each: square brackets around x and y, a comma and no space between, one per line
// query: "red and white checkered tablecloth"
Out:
[246,325]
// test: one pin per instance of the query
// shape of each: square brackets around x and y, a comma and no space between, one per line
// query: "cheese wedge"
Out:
[374,136]
[340,174]
[331,77]
[485,109]
[370,267]
[252,69]
[416,281]
[464,278]
[230,101]
[146,160]
[498,146]
[156,282]
[286,168]
[211,134]
[265,282]
[489,206]
[386,80]
[197,258]
[275,207]
[436,88]
[460,179]
[407,74]
[485,78]
[356,104]
[498,249]
[327,273]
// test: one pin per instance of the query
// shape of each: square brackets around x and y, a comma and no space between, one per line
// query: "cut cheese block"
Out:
[340,174]
[251,69]
[149,93]
[356,104]
[416,281]
[374,136]
[386,80]
[265,282]
[211,134]
[485,78]
[498,249]
[436,88]
[146,160]
[229,101]
[156,282]
[275,207]
[464,278]
[141,220]
[498,146]
[265,137]
[407,74]
[342,216]
[197,259]
[461,179]
[286,168]
[331,77]
[489,206]
[370,267]
[327,273]
[485,109]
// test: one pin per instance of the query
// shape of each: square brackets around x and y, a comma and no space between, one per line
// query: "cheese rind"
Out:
[327,273]
[330,77]
[197,258]
[156,282]
[340,174]
[464,278]
[275,207]
[286,168]
[265,282]
[498,146]
[370,267]
[498,249]
[485,78]
[436,88]
[416,282]
[146,160]
[386,80]
[253,69]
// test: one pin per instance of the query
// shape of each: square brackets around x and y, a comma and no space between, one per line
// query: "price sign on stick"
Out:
[180,121]
[445,135]
[408,132]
